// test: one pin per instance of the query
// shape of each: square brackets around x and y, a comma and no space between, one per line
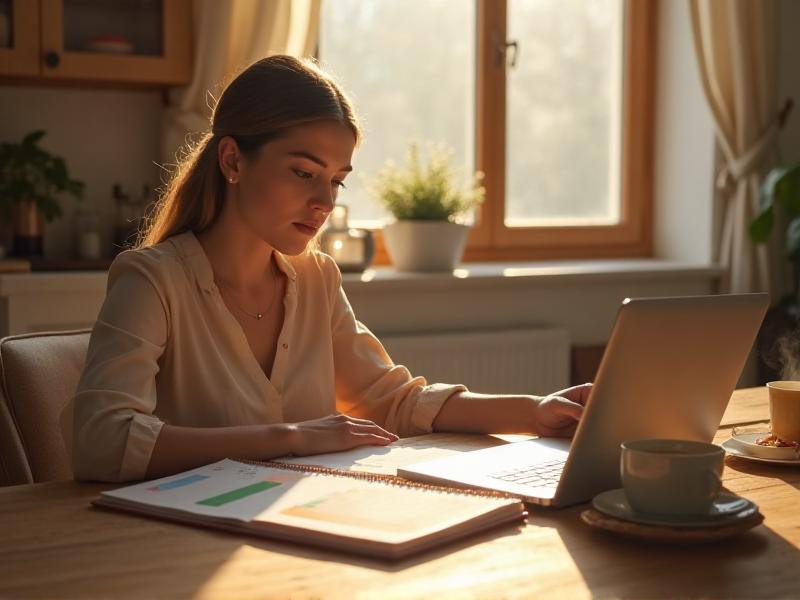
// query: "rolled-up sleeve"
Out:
[109,425]
[369,385]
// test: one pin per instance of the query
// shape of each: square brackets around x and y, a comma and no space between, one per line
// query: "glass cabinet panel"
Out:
[118,27]
[137,42]
[6,24]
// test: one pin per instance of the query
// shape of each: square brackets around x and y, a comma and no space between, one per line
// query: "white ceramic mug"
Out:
[671,477]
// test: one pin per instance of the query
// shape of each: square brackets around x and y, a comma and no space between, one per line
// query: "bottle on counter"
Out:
[88,241]
[130,212]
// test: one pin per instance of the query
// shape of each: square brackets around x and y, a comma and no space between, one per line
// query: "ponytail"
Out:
[193,197]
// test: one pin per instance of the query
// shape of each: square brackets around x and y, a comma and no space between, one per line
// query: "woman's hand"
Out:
[557,414]
[335,433]
[554,415]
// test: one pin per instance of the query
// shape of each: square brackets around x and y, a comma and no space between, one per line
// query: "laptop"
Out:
[668,371]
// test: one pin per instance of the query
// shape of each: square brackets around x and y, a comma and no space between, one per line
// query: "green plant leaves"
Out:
[429,190]
[781,186]
[28,172]
[761,226]
[33,138]
[793,239]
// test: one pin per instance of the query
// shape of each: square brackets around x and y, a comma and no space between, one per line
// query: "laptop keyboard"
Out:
[544,474]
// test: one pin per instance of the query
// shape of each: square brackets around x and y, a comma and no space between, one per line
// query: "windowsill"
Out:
[533,273]
[581,295]
[467,276]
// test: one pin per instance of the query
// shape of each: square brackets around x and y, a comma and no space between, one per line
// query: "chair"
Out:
[39,373]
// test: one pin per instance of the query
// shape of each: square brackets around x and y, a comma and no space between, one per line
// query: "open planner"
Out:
[370,514]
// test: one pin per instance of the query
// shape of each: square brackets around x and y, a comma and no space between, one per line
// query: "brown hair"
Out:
[259,105]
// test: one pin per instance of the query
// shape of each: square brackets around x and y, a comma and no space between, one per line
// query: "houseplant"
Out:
[31,182]
[779,203]
[427,198]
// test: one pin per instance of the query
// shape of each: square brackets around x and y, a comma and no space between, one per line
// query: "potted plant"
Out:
[427,199]
[31,181]
[779,200]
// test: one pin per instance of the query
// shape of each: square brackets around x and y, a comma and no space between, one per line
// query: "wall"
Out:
[789,73]
[684,152]
[106,136]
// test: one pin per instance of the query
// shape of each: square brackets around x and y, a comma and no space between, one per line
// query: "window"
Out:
[406,87]
[562,113]
[551,99]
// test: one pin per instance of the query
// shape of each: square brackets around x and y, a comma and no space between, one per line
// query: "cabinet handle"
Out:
[51,59]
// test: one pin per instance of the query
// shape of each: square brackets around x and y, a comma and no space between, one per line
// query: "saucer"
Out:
[727,508]
[670,535]
[745,440]
[735,448]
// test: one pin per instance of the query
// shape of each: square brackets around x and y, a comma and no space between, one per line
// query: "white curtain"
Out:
[228,36]
[736,43]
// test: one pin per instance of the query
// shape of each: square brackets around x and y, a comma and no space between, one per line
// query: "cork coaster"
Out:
[666,534]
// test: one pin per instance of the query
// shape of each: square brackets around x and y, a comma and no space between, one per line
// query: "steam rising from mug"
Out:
[789,355]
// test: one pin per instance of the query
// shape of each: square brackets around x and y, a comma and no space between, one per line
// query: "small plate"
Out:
[727,508]
[735,449]
[745,440]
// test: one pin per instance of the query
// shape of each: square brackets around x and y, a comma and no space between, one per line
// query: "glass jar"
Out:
[88,241]
[352,249]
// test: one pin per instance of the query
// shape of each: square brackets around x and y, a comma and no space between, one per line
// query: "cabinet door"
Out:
[133,41]
[19,37]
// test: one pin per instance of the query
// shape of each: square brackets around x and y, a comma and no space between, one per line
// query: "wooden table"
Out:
[54,545]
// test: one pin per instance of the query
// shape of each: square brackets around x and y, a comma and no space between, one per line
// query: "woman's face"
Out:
[287,190]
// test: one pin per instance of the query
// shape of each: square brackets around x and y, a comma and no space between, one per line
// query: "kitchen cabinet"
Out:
[136,42]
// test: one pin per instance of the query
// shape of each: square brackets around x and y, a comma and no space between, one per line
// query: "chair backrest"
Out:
[39,373]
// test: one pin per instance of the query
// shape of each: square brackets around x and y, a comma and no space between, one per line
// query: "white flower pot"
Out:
[425,245]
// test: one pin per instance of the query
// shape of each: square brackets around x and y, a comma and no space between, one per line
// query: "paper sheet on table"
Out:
[405,451]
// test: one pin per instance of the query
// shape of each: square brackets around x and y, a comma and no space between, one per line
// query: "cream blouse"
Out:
[166,349]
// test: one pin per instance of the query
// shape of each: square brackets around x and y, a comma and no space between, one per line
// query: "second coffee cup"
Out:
[671,477]
[784,409]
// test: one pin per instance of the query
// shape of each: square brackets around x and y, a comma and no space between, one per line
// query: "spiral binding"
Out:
[379,477]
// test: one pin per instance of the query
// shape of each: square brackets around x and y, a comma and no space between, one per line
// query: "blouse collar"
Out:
[195,256]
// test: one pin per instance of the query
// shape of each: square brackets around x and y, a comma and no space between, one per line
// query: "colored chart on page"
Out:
[239,493]
[176,483]
[371,508]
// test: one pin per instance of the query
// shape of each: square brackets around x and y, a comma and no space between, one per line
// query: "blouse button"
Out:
[285,346]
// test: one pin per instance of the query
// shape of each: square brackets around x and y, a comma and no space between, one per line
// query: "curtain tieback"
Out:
[738,167]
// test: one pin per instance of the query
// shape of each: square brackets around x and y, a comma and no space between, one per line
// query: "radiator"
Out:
[518,361]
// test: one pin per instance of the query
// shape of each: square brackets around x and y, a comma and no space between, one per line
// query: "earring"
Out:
[230,179]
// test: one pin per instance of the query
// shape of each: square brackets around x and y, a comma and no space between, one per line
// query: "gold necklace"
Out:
[260,314]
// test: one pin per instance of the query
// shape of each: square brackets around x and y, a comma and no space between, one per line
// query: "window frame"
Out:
[490,239]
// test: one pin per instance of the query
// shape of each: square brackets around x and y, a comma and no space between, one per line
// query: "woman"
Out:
[224,334]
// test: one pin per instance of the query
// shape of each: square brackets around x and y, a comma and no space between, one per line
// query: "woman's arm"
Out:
[368,384]
[556,415]
[180,448]
[109,424]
